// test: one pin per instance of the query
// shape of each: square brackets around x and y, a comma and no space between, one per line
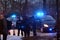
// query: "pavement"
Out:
[40,36]
[9,37]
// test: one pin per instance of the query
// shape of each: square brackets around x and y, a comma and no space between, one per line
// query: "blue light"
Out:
[50,29]
[13,16]
[39,14]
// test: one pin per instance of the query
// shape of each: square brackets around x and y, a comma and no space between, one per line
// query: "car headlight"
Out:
[46,25]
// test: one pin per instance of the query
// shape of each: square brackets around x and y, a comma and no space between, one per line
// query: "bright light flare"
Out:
[45,25]
[13,16]
[39,14]
[50,29]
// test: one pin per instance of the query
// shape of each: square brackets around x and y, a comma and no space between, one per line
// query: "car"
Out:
[48,23]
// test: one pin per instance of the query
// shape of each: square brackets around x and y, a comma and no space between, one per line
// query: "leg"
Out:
[34,33]
[4,36]
[22,33]
[28,34]
[25,34]
[18,32]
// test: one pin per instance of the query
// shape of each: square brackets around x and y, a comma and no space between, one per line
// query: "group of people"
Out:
[22,24]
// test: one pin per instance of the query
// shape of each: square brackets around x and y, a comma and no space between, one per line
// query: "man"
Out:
[3,30]
[9,23]
[23,26]
[18,25]
[3,27]
[27,27]
[33,26]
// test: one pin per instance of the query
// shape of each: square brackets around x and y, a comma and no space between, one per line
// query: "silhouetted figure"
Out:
[27,26]
[23,26]
[3,28]
[33,26]
[34,29]
[9,24]
[18,26]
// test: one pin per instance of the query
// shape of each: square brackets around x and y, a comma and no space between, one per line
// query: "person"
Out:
[33,26]
[27,27]
[3,30]
[18,26]
[9,23]
[3,27]
[22,25]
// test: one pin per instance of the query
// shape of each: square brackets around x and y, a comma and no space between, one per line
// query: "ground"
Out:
[40,36]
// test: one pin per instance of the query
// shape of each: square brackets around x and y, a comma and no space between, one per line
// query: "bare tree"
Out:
[44,5]
[58,20]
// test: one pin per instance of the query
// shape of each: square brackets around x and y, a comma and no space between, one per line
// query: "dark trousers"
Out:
[24,33]
[34,32]
[27,33]
[4,36]
[18,32]
[21,32]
